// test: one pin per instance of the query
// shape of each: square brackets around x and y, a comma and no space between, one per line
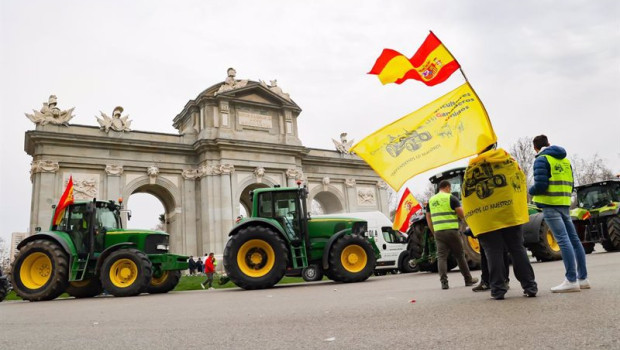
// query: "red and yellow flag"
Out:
[65,200]
[406,208]
[431,64]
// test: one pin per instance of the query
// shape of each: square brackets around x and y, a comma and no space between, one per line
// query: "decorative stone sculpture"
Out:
[343,146]
[350,182]
[365,196]
[382,185]
[227,168]
[84,188]
[190,174]
[326,181]
[293,173]
[276,89]
[116,123]
[259,173]
[231,83]
[152,171]
[51,114]
[43,166]
[209,170]
[114,170]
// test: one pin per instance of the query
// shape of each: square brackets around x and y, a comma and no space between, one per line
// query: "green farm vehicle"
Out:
[537,235]
[597,215]
[280,238]
[89,252]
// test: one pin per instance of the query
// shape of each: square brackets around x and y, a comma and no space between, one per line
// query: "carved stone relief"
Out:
[114,170]
[152,171]
[43,166]
[259,173]
[227,169]
[231,83]
[382,185]
[293,173]
[116,123]
[365,196]
[190,174]
[350,182]
[85,186]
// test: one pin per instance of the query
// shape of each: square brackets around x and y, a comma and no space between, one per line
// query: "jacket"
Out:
[209,268]
[542,170]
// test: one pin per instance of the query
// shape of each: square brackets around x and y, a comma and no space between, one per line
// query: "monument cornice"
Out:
[218,144]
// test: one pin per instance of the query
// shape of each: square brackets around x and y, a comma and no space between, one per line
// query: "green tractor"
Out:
[280,238]
[537,235]
[89,252]
[597,215]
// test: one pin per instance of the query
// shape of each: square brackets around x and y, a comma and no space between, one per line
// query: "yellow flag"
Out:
[450,128]
[494,193]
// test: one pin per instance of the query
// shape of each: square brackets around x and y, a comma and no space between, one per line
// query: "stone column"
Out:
[350,195]
[113,181]
[43,174]
[192,241]
[209,206]
[227,217]
[382,198]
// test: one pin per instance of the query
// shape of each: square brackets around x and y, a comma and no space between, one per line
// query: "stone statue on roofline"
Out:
[116,123]
[343,146]
[51,114]
[231,83]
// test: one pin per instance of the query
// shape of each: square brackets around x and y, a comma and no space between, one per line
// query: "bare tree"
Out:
[586,171]
[161,225]
[423,197]
[523,153]
[4,256]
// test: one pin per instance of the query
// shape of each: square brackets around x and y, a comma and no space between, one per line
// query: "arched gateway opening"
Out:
[234,137]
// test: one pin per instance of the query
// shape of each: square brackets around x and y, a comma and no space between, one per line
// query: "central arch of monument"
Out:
[235,136]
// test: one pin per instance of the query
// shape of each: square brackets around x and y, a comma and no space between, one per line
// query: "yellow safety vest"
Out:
[494,192]
[443,216]
[560,183]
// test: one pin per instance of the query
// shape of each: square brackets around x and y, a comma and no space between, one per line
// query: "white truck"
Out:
[392,244]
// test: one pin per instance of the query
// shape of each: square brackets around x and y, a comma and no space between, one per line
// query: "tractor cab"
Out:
[287,207]
[87,223]
[454,176]
[598,195]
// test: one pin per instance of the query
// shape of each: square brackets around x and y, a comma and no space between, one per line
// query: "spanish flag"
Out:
[450,128]
[406,208]
[432,64]
[65,200]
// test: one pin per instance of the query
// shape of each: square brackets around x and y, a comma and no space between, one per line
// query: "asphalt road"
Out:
[405,311]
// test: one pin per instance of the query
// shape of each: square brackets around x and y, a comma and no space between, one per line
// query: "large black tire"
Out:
[126,272]
[471,247]
[165,282]
[351,259]
[312,273]
[4,287]
[546,249]
[406,264]
[613,230]
[40,271]
[85,289]
[255,258]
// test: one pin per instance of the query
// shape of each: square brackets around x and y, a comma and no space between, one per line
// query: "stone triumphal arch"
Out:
[235,136]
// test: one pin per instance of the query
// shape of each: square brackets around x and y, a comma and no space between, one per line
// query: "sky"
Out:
[539,67]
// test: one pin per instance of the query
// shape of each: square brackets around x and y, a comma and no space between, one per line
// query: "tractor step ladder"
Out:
[298,253]
[80,266]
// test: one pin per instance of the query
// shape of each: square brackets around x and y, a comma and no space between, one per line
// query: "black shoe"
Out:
[444,285]
[482,287]
[499,297]
[529,294]
[471,282]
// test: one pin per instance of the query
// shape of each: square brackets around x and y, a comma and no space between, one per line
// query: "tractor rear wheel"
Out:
[312,273]
[40,271]
[613,230]
[255,258]
[351,259]
[471,247]
[547,248]
[85,289]
[126,272]
[164,282]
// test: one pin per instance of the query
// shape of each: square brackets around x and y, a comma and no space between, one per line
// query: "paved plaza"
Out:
[405,311]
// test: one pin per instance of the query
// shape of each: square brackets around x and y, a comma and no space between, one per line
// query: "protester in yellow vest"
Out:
[552,189]
[442,215]
[495,207]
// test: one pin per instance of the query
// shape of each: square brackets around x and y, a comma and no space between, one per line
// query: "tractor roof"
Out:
[599,183]
[448,173]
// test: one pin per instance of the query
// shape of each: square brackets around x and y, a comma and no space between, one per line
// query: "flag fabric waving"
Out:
[65,200]
[431,64]
[450,128]
[406,208]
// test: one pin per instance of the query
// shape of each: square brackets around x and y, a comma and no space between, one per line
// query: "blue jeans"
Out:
[561,225]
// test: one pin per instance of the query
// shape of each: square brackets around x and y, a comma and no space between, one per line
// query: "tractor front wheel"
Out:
[164,281]
[351,259]
[126,272]
[40,271]
[547,248]
[613,230]
[255,258]
[312,273]
[85,289]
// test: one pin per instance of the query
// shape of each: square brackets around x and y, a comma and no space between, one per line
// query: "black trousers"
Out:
[484,266]
[511,239]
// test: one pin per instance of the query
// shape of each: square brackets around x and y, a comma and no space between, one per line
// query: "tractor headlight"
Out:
[163,247]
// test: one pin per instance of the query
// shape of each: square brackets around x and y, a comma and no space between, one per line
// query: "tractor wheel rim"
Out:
[256,258]
[553,244]
[36,270]
[474,244]
[123,273]
[156,281]
[354,258]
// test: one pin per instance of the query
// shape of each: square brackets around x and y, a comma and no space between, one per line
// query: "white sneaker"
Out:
[584,284]
[202,285]
[566,287]
[211,288]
